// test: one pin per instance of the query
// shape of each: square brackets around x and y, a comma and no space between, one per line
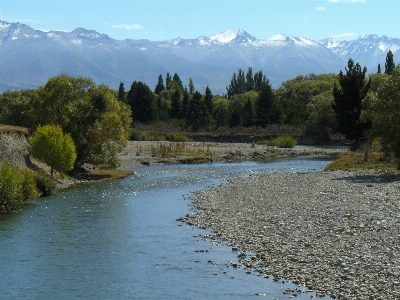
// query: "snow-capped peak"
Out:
[237,35]
[278,37]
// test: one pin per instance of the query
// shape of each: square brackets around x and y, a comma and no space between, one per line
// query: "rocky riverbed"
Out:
[336,232]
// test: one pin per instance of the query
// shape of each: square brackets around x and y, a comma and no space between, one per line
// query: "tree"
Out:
[142,102]
[379,69]
[196,112]
[167,80]
[176,104]
[98,123]
[382,107]
[249,80]
[121,92]
[347,104]
[264,104]
[221,111]
[191,86]
[178,81]
[208,100]
[50,145]
[389,64]
[160,86]
[248,114]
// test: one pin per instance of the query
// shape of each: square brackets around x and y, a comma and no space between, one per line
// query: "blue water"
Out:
[120,240]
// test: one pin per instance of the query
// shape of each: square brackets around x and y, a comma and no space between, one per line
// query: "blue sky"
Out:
[167,19]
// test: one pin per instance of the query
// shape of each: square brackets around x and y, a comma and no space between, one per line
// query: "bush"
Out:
[46,185]
[16,187]
[284,141]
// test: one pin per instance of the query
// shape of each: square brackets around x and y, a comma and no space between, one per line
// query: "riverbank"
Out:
[337,232]
[144,153]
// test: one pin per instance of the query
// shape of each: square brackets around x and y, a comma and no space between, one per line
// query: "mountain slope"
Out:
[29,57]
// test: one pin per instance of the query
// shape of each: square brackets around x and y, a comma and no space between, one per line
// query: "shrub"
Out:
[46,185]
[285,141]
[16,187]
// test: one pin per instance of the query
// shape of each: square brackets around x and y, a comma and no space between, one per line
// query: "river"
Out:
[120,240]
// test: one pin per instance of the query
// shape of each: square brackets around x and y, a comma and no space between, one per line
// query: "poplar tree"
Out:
[121,92]
[160,85]
[264,104]
[389,64]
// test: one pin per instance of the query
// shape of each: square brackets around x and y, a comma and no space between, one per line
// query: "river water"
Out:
[121,240]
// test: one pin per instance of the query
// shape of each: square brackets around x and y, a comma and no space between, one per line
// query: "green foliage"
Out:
[160,85]
[284,141]
[382,107]
[142,102]
[241,84]
[15,106]
[348,97]
[295,95]
[16,187]
[264,103]
[221,111]
[46,185]
[389,64]
[50,145]
[97,121]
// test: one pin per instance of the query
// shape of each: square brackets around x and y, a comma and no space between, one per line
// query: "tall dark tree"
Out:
[185,103]
[208,100]
[191,86]
[160,85]
[389,64]
[347,105]
[121,92]
[259,80]
[249,80]
[196,112]
[379,69]
[142,101]
[178,81]
[264,103]
[248,114]
[176,107]
[167,81]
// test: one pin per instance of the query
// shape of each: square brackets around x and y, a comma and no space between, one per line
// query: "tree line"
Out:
[99,118]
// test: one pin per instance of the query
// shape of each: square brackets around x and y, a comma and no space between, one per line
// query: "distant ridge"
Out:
[28,57]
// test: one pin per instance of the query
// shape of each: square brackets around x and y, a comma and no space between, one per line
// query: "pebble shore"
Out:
[337,232]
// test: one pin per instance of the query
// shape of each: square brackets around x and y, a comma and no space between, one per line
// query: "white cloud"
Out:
[129,26]
[344,35]
[346,1]
[320,8]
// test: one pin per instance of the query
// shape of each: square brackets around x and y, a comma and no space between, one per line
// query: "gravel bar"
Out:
[336,232]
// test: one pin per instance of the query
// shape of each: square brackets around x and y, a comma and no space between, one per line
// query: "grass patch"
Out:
[366,159]
[284,141]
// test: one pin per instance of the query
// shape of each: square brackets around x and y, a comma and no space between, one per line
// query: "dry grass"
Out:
[16,129]
[366,159]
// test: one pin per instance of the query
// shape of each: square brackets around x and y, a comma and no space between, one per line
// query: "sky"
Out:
[168,19]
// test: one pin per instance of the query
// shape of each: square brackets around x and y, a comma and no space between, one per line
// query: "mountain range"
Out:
[28,57]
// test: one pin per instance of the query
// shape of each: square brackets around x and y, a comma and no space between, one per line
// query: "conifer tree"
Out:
[191,86]
[264,104]
[160,85]
[176,104]
[167,80]
[347,103]
[208,100]
[379,69]
[259,80]
[249,80]
[248,114]
[185,102]
[389,64]
[178,81]
[121,92]
[142,101]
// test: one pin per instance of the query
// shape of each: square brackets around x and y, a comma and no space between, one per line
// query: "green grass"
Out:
[284,141]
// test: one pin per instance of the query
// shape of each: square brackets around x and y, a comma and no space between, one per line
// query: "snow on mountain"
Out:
[235,35]
[208,60]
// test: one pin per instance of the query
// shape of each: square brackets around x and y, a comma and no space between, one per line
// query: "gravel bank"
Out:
[336,232]
[139,153]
